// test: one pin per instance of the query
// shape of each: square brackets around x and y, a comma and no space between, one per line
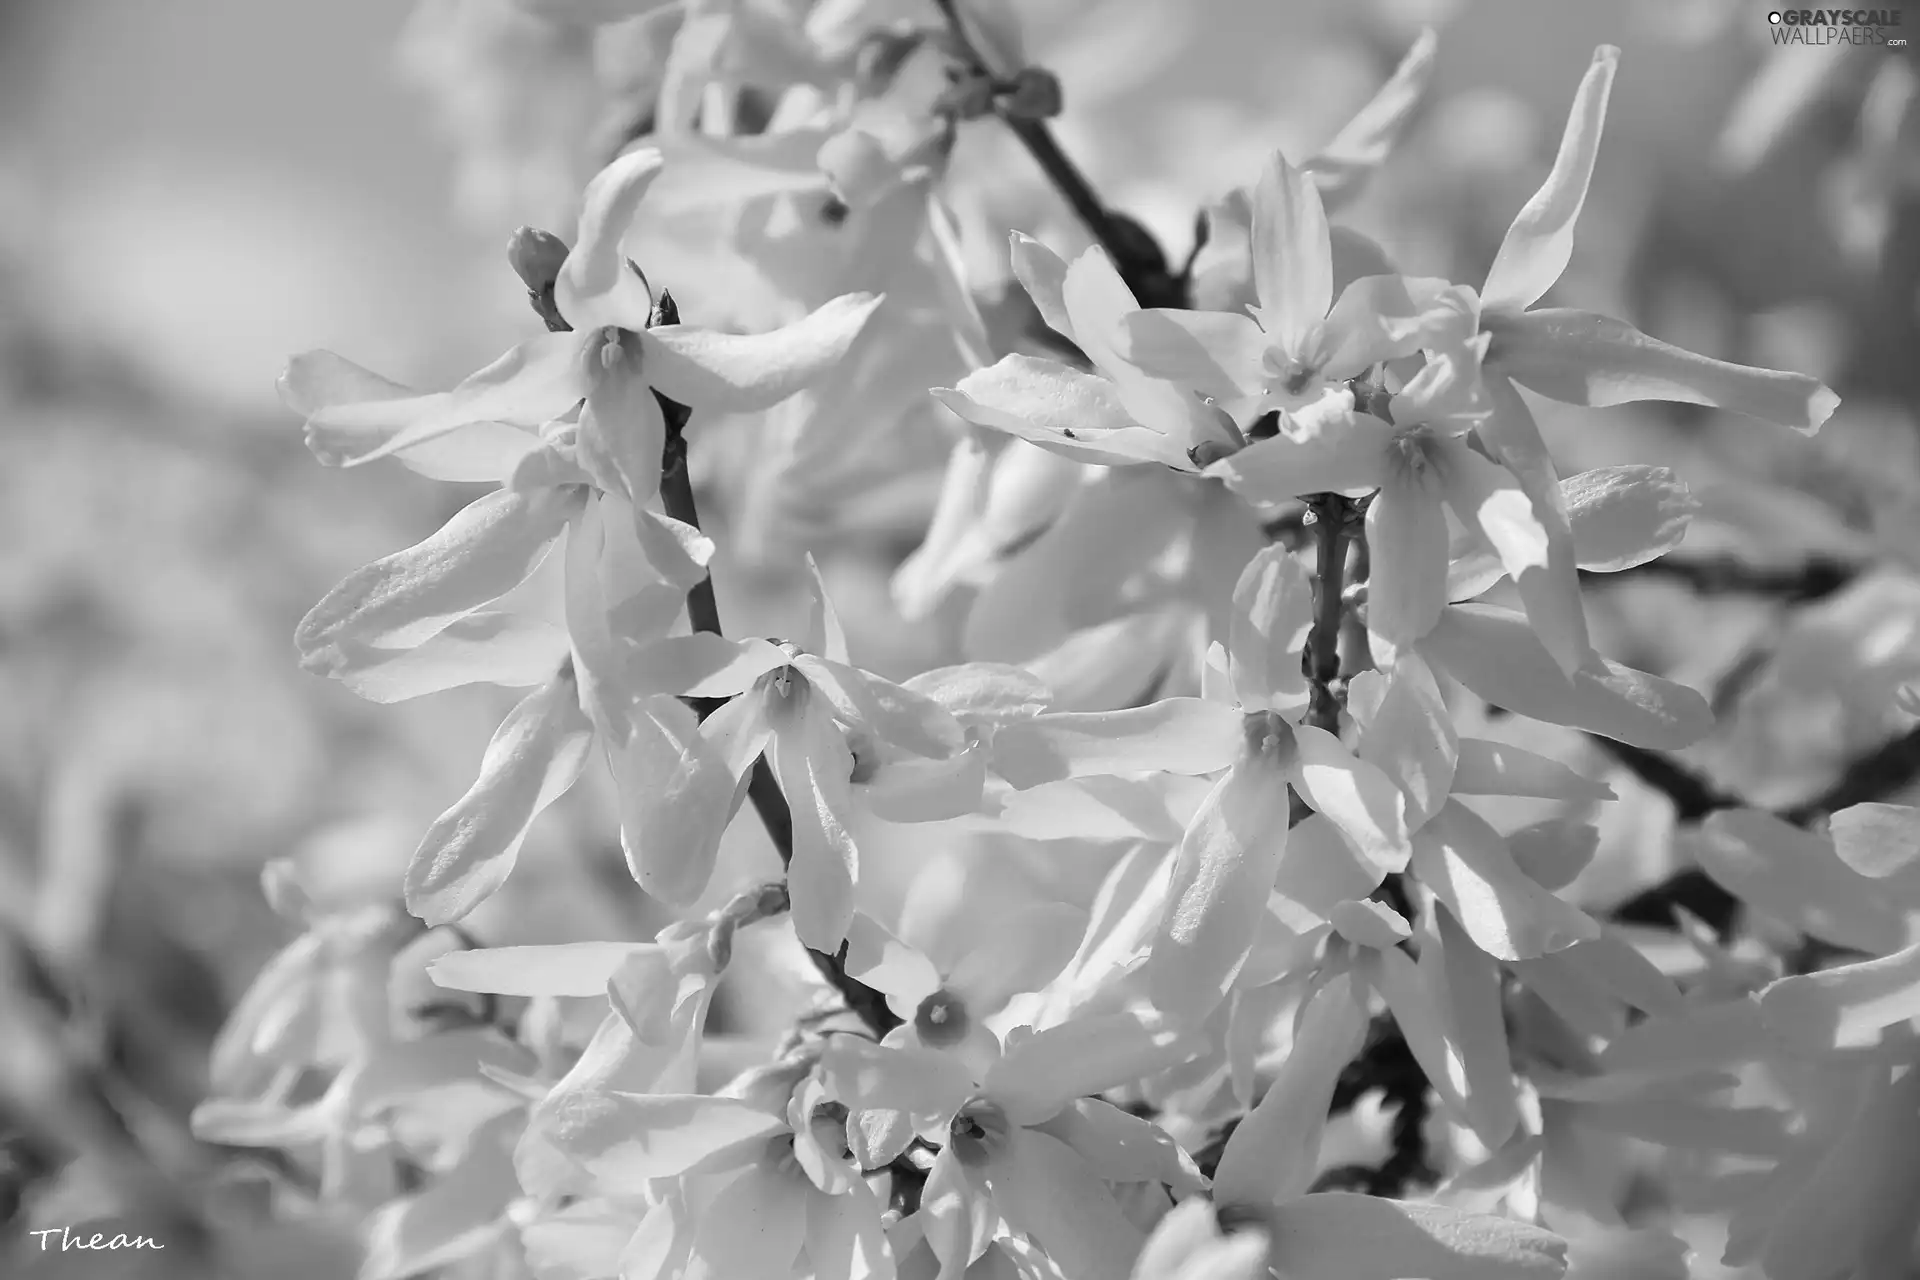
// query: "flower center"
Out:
[978,1128]
[941,1020]
[1268,737]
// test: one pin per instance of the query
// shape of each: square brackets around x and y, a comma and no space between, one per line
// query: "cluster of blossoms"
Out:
[1235,576]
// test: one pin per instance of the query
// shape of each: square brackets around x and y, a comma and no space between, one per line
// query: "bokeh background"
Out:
[190,191]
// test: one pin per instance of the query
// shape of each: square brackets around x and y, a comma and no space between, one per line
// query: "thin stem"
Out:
[1332,517]
[1135,253]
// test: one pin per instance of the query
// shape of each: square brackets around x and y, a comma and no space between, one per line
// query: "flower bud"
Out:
[1035,95]
[535,257]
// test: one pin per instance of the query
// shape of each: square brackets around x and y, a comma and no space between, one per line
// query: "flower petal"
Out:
[627,1138]
[738,373]
[1476,1018]
[492,646]
[1272,614]
[1487,768]
[1292,254]
[1409,736]
[1580,357]
[1123,1148]
[845,1240]
[535,757]
[623,430]
[1880,841]
[702,665]
[811,760]
[1273,1152]
[1796,878]
[1180,735]
[1319,869]
[675,791]
[1222,871]
[1486,495]
[487,549]
[1846,1007]
[1043,273]
[1356,796]
[988,693]
[535,382]
[1407,542]
[1334,450]
[1540,242]
[1495,654]
[563,969]
[1216,353]
[1045,1190]
[595,286]
[1335,1233]
[925,1083]
[1467,865]
[1073,414]
[1037,1077]
[1340,167]
[754,1228]
[1023,950]
[1619,517]
[317,382]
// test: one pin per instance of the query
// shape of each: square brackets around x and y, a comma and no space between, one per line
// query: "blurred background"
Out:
[192,191]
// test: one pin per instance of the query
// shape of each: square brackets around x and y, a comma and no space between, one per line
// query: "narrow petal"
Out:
[1292,253]
[596,287]
[1476,1015]
[1098,302]
[865,1076]
[1487,768]
[675,794]
[1487,496]
[1880,841]
[1495,654]
[1579,357]
[1181,735]
[1619,517]
[1047,1191]
[738,373]
[535,382]
[1387,317]
[755,1227]
[1339,451]
[1846,1007]
[702,665]
[1356,796]
[1466,863]
[1043,273]
[1795,877]
[1222,870]
[1320,868]
[491,546]
[623,430]
[845,1240]
[627,1138]
[318,383]
[957,1215]
[863,701]
[1540,242]
[563,969]
[492,646]
[1410,737]
[1123,1148]
[1273,1153]
[1064,411]
[535,757]
[1407,543]
[992,693]
[1335,1233]
[1272,614]
[1038,1076]
[1343,164]
[1216,353]
[1025,949]
[811,759]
